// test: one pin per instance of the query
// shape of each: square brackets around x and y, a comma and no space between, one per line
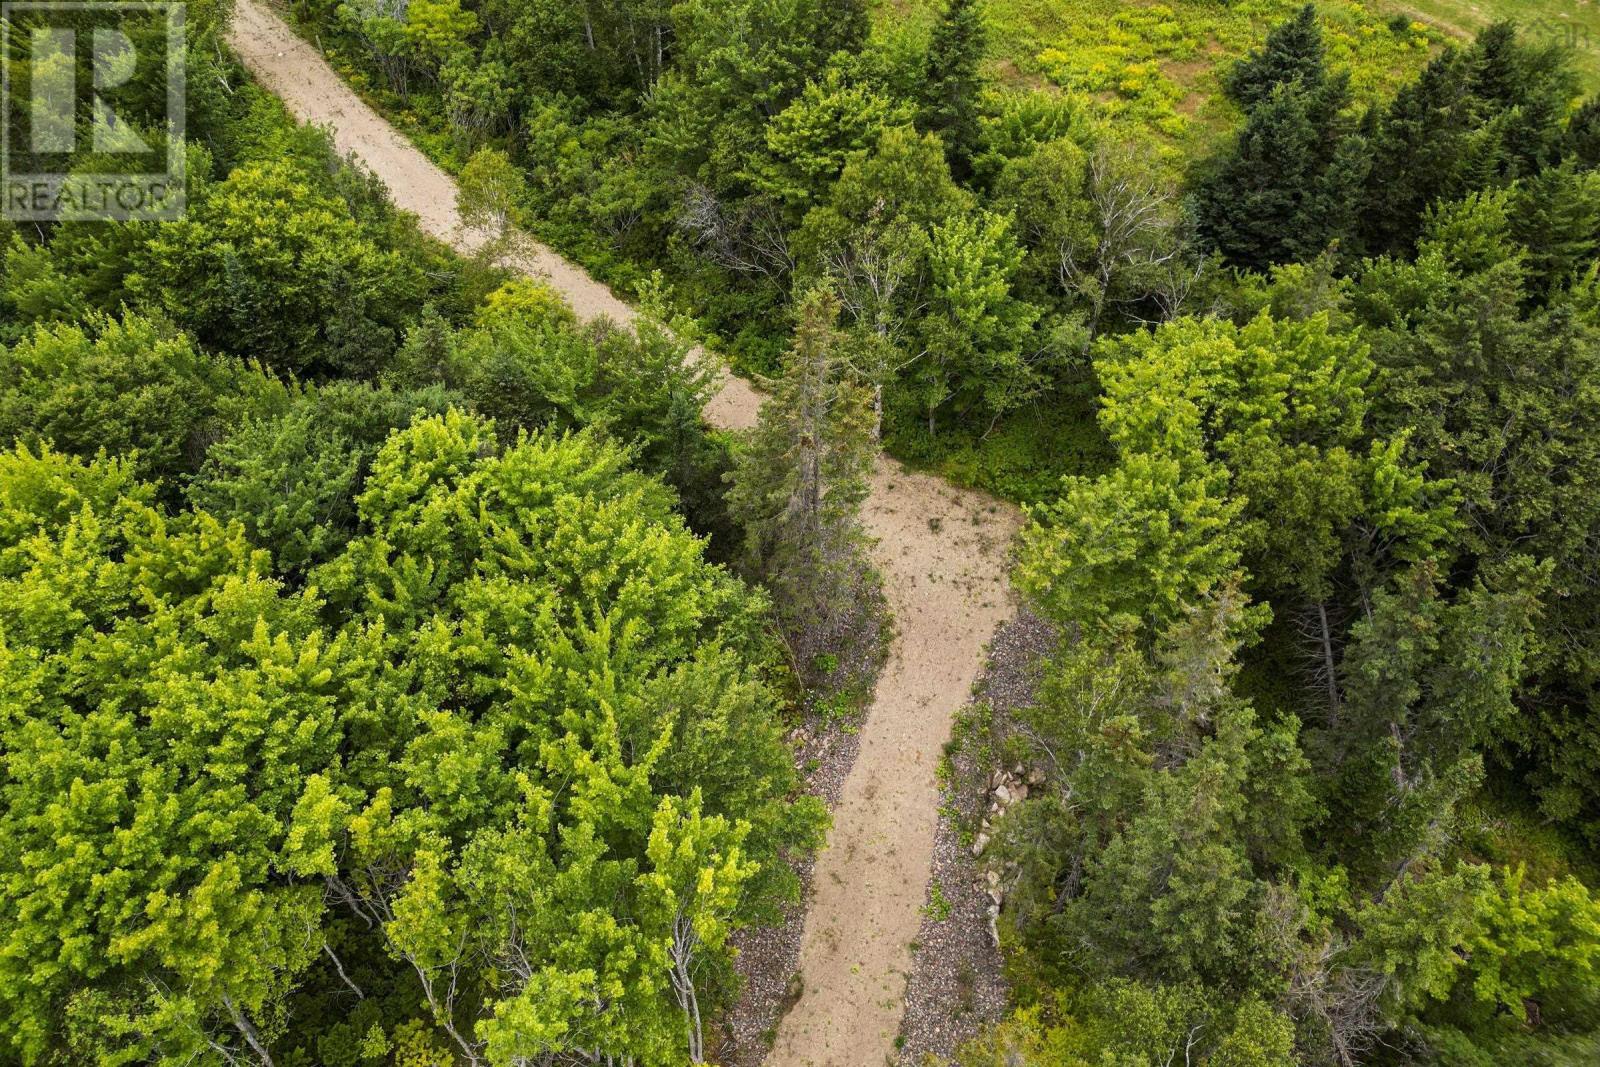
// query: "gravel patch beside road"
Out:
[956,984]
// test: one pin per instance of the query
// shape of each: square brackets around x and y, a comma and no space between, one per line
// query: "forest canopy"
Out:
[396,669]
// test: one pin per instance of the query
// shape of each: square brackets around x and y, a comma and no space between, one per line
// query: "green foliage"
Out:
[291,479]
[500,620]
[1288,188]
[1474,119]
[1137,543]
[133,387]
[739,64]
[797,487]
[447,713]
[1293,52]
[951,81]
[976,336]
[202,696]
[268,264]
[832,122]
[490,190]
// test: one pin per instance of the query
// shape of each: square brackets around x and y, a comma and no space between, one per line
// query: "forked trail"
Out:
[943,554]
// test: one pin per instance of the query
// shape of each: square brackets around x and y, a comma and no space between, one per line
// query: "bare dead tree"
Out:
[751,239]
[1174,283]
[338,965]
[681,953]
[441,986]
[1136,236]
[1343,1002]
[1316,626]
[873,274]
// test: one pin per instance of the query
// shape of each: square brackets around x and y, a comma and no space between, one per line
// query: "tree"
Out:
[383,748]
[1101,226]
[976,334]
[291,479]
[693,889]
[437,31]
[489,196]
[737,66]
[1426,684]
[1474,119]
[153,899]
[1132,547]
[131,387]
[798,484]
[268,264]
[1287,189]
[1135,1022]
[1293,53]
[876,275]
[833,121]
[952,81]
[1487,378]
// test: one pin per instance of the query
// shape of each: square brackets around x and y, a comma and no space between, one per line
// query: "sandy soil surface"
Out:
[956,986]
[943,554]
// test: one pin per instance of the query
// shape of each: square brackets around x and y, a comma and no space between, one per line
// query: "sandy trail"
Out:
[943,554]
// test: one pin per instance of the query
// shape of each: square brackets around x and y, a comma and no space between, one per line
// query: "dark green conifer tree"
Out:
[1293,52]
[952,81]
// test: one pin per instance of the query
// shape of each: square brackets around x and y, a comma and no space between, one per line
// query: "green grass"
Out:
[1575,23]
[1158,66]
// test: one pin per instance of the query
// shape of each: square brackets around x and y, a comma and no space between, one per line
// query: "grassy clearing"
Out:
[1158,65]
[1575,23]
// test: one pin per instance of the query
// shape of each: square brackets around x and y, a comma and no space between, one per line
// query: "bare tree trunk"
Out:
[338,966]
[683,946]
[1331,678]
[444,1015]
[251,1037]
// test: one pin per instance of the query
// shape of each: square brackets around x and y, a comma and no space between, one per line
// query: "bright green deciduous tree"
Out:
[267,263]
[977,336]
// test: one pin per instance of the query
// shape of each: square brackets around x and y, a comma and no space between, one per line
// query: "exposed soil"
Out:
[956,985]
[943,553]
[769,956]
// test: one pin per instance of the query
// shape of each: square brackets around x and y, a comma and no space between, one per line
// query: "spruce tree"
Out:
[1284,193]
[952,81]
[1581,139]
[798,486]
[1290,186]
[1473,120]
[1293,53]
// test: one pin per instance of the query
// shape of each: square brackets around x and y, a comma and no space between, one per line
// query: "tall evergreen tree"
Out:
[1474,119]
[1288,187]
[798,485]
[1293,53]
[952,80]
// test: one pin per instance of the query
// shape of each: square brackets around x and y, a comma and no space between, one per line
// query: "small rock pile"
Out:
[1006,788]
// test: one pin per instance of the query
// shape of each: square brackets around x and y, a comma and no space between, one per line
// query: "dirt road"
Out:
[943,554]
